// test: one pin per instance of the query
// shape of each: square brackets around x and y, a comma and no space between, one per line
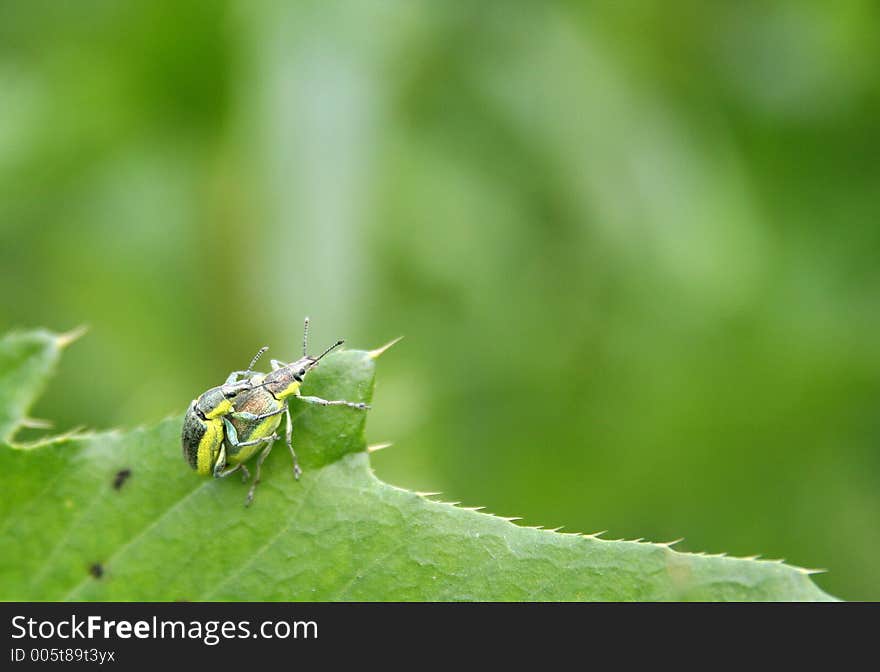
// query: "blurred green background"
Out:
[633,246]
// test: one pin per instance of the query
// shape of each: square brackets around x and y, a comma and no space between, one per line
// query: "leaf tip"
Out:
[65,339]
[380,350]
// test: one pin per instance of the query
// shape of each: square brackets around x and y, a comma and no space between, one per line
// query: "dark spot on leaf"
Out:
[121,477]
[97,570]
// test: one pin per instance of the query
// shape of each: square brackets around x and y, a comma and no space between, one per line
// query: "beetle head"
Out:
[303,365]
[286,380]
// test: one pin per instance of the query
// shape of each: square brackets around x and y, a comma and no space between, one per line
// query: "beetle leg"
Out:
[235,374]
[244,415]
[334,402]
[260,459]
[220,464]
[232,437]
[256,441]
[231,434]
[225,472]
[245,475]
[288,436]
[250,370]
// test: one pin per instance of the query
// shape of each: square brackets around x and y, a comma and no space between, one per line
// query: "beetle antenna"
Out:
[306,338]
[331,348]
[256,358]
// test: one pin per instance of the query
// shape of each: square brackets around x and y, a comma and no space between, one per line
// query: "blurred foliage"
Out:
[658,220]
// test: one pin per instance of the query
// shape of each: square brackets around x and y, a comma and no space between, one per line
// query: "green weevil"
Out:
[205,437]
[258,410]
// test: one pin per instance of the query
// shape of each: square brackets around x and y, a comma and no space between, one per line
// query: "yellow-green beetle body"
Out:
[256,402]
[205,436]
[203,428]
[258,411]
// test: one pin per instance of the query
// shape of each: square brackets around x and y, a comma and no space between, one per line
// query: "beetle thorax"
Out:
[213,403]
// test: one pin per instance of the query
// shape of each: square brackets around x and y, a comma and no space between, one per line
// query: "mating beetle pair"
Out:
[227,425]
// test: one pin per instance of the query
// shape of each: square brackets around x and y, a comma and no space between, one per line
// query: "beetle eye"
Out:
[302,372]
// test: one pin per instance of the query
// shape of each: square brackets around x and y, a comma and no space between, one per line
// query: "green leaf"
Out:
[337,534]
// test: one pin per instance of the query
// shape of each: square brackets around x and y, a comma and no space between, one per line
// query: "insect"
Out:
[230,423]
[204,438]
[259,409]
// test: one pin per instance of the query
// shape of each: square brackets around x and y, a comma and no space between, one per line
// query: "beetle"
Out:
[204,438]
[259,410]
